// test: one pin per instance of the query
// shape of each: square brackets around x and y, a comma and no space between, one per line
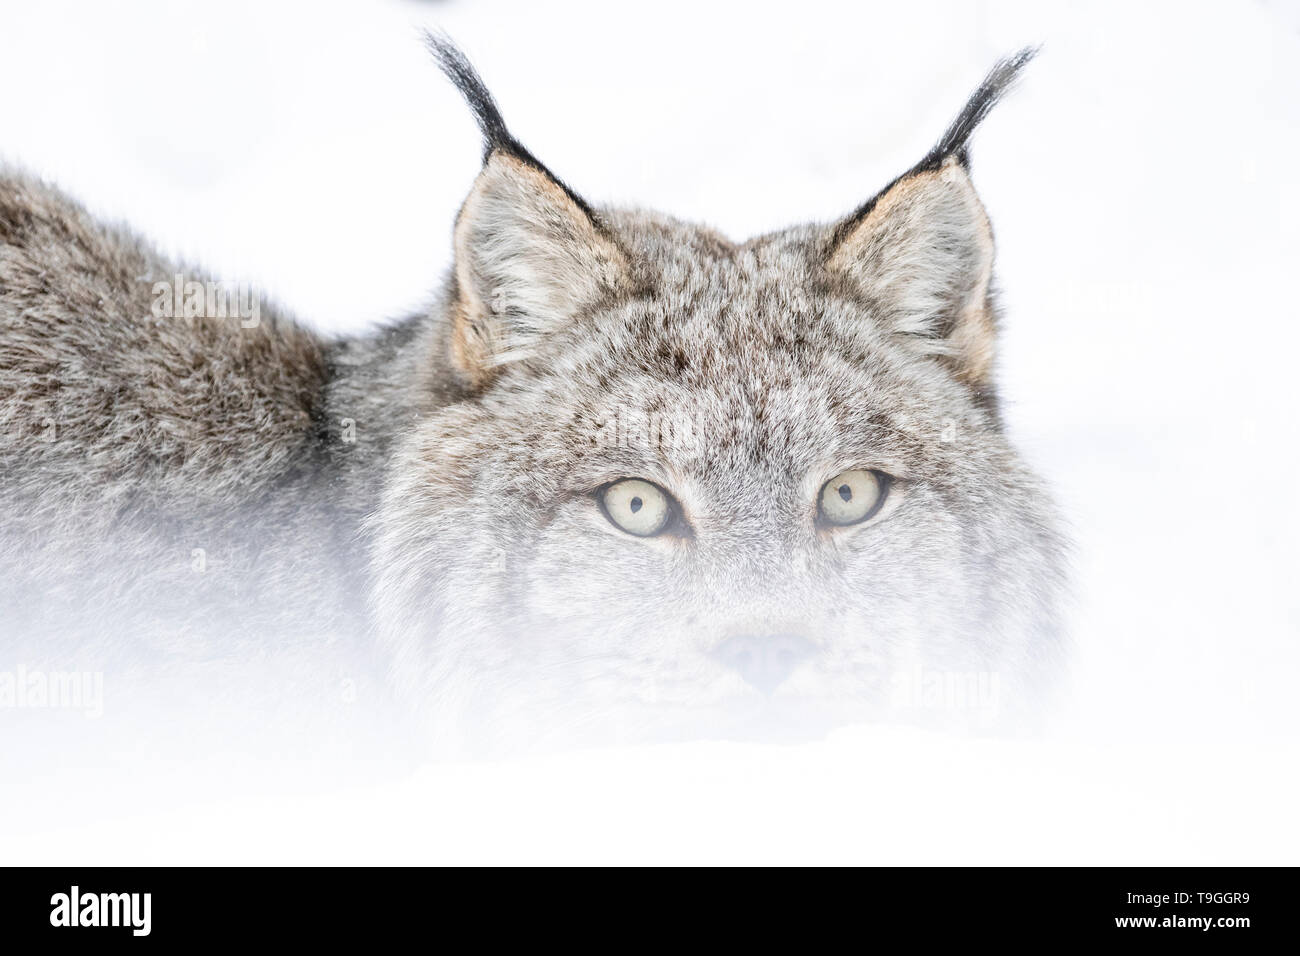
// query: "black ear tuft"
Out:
[496,135]
[953,144]
[465,78]
[998,81]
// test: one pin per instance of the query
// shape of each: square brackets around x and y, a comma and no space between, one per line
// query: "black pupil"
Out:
[845,492]
[635,504]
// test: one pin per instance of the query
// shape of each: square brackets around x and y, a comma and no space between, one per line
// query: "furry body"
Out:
[419,500]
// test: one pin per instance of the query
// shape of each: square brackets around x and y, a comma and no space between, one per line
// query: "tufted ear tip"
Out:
[531,254]
[921,250]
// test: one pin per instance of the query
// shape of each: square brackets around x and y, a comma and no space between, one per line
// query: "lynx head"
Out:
[689,485]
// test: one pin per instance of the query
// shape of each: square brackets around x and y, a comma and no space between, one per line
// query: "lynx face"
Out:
[695,486]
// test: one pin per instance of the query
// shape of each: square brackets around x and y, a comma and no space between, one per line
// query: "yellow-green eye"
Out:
[853,496]
[636,506]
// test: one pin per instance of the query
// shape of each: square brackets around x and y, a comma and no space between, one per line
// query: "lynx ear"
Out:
[923,258]
[529,258]
[531,255]
[921,252]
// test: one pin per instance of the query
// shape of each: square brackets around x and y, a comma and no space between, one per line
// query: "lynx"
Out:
[625,479]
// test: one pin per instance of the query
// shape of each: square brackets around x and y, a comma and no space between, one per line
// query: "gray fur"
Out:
[418,501]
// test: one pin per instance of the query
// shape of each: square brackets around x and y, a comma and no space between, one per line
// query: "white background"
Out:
[1142,184]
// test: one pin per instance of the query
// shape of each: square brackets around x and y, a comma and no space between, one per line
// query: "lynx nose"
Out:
[764,660]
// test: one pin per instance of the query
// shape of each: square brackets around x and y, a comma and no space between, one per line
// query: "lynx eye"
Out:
[852,497]
[636,506]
